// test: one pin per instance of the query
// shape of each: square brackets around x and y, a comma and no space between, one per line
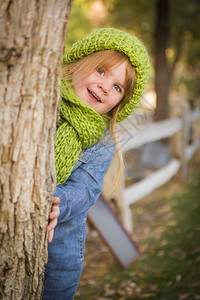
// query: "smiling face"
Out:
[103,89]
[104,80]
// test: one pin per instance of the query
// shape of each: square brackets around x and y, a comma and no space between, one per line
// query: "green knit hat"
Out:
[115,39]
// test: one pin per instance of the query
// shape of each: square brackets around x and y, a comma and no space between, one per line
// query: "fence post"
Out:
[114,196]
[127,217]
[176,144]
[185,138]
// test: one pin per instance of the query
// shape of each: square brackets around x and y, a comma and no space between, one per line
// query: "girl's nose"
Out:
[105,87]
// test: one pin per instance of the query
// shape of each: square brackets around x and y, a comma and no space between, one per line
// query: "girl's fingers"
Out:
[56,201]
[52,224]
[55,211]
[53,217]
[50,236]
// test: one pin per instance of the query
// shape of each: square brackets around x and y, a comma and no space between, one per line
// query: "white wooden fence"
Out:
[179,130]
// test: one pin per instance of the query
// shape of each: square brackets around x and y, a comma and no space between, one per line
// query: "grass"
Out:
[168,232]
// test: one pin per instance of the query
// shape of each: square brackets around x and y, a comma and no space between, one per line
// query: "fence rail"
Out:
[153,132]
[178,129]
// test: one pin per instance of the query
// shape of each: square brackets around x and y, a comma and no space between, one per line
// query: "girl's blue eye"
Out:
[117,88]
[100,71]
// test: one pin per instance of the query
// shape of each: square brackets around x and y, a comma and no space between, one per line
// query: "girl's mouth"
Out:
[94,96]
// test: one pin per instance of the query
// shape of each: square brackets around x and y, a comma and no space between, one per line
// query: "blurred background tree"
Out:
[170,31]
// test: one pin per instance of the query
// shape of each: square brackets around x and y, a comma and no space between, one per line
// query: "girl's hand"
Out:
[53,218]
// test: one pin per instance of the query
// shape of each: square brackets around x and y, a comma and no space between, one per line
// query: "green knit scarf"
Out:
[79,127]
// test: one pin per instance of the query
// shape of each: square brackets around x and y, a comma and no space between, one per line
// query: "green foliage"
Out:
[79,23]
[184,25]
[185,17]
[134,16]
[191,69]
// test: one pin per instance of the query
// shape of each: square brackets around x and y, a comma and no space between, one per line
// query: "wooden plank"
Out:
[113,233]
[149,184]
[149,133]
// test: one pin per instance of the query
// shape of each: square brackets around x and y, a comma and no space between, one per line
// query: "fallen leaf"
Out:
[138,290]
[142,275]
[159,229]
[197,259]
[109,293]
[153,287]
[125,283]
[195,250]
[152,252]
[133,284]
[161,253]
[183,296]
[195,206]
[115,279]
[171,223]
[121,292]
[133,274]
[147,295]
[178,278]
[158,275]
[164,242]
[164,209]
[106,287]
[91,282]
[194,284]
[129,290]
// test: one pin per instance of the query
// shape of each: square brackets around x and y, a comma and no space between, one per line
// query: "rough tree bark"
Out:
[32,38]
[161,66]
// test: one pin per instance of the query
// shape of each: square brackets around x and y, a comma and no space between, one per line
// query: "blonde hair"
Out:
[105,59]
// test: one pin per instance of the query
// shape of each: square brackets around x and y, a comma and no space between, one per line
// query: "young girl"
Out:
[103,80]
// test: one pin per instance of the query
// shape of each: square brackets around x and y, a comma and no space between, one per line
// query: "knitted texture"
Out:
[115,39]
[79,127]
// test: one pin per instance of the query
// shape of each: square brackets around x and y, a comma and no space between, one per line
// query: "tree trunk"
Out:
[161,66]
[32,38]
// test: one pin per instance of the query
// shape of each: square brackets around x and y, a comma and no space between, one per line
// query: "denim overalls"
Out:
[77,194]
